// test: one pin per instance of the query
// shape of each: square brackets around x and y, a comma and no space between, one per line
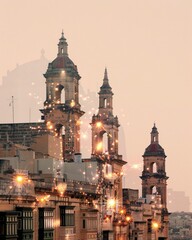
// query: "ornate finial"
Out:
[62,34]
[154,127]
[154,134]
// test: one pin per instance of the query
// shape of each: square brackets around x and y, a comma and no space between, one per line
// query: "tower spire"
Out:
[105,117]
[106,76]
[106,80]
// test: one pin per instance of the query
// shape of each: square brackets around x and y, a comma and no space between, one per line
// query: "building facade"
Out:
[48,191]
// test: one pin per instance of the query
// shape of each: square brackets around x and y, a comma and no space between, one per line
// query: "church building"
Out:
[49,191]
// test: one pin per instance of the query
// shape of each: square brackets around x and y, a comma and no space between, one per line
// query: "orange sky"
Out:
[147,48]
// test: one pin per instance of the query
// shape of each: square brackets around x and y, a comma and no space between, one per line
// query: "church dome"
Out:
[154,149]
[62,61]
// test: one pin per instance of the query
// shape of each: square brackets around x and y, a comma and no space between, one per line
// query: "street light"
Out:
[155,227]
[61,188]
[129,219]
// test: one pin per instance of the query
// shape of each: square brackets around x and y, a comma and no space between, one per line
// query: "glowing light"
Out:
[155,225]
[98,124]
[122,211]
[49,125]
[19,179]
[43,199]
[109,175]
[111,203]
[72,104]
[61,187]
[79,122]
[57,223]
[136,166]
[128,218]
[84,136]
[99,146]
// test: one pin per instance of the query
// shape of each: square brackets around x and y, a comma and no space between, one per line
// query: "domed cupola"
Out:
[154,149]
[62,62]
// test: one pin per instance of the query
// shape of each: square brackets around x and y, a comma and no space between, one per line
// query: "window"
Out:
[105,103]
[25,218]
[84,223]
[48,219]
[67,216]
[149,225]
[90,223]
[46,223]
[11,225]
[25,223]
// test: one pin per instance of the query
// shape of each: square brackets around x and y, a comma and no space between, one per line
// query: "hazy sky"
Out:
[147,48]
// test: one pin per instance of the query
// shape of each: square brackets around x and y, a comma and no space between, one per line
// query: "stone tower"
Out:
[154,178]
[62,110]
[105,123]
[105,143]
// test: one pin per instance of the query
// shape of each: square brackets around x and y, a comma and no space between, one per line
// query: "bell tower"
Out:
[154,178]
[105,123]
[62,110]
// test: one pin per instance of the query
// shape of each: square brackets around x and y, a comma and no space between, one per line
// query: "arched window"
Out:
[105,103]
[63,96]
[62,130]
[59,94]
[155,167]
[105,143]
[154,190]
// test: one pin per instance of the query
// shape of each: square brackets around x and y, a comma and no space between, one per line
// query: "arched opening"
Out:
[105,143]
[154,190]
[105,103]
[62,130]
[59,91]
[155,167]
[63,95]
[100,143]
[154,138]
